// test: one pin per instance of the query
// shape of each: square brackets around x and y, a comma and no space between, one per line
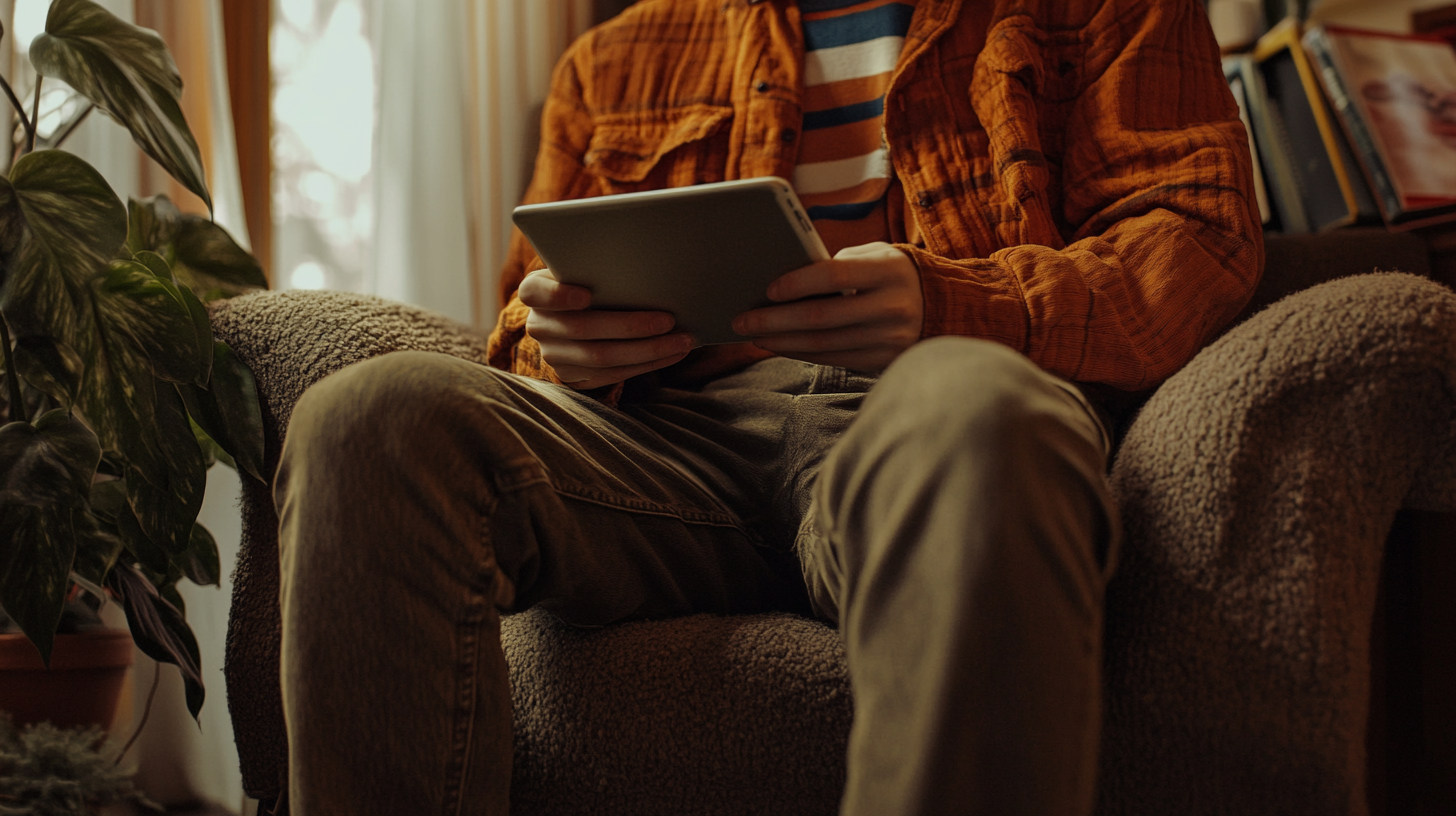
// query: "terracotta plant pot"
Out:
[81,687]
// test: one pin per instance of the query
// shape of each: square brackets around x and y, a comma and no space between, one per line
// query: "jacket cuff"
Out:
[975,298]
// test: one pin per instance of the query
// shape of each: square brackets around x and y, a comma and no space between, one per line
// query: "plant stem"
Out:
[19,108]
[35,112]
[17,399]
[72,129]
[146,712]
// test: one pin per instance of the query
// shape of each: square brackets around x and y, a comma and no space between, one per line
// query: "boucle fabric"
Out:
[1257,486]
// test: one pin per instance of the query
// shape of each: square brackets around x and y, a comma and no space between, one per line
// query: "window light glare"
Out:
[298,13]
[307,275]
[30,17]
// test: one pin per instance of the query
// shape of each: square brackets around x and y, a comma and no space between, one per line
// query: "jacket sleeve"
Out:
[560,174]
[1162,237]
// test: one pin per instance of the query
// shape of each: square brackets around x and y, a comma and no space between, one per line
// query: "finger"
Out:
[820,313]
[607,354]
[541,290]
[829,278]
[587,378]
[590,324]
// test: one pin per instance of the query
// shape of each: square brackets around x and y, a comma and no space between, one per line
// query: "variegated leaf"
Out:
[167,507]
[151,225]
[128,72]
[97,547]
[200,562]
[45,470]
[63,224]
[211,263]
[159,629]
[228,410]
[137,302]
[50,365]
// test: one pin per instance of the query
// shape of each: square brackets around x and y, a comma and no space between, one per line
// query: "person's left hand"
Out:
[881,315]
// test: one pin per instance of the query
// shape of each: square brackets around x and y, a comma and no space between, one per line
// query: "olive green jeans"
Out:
[952,517]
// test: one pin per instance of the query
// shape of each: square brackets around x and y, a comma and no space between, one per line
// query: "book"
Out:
[1438,22]
[1395,94]
[1285,203]
[1331,186]
[1241,96]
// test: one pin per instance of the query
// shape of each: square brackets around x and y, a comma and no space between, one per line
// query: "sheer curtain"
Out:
[451,104]
[511,47]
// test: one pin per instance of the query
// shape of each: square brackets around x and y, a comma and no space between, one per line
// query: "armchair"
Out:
[1257,488]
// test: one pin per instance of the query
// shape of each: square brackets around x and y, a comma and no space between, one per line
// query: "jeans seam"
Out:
[476,612]
[645,506]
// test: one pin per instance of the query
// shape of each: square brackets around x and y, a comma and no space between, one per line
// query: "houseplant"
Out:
[49,771]
[118,397]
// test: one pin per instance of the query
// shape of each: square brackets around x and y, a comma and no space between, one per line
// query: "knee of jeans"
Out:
[957,396]
[388,402]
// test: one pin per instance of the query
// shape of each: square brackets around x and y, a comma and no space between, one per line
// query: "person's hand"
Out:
[880,314]
[591,348]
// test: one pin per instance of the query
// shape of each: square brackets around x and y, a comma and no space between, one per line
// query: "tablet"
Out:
[705,253]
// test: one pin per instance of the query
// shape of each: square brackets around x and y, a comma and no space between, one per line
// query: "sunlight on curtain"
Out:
[324,111]
[513,45]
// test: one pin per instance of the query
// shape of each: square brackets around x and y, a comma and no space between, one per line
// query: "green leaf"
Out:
[49,463]
[45,471]
[62,224]
[140,545]
[152,225]
[97,547]
[50,365]
[159,629]
[228,410]
[167,507]
[201,324]
[202,333]
[211,263]
[200,562]
[128,72]
[133,299]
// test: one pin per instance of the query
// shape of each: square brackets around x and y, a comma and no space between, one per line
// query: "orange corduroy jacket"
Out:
[1073,174]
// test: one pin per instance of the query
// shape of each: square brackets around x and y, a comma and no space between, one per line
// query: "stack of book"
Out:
[1349,126]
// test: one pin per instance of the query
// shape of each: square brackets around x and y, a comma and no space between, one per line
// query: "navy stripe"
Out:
[844,212]
[891,20]
[845,114]
[811,6]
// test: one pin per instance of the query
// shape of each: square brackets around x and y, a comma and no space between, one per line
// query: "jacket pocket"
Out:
[676,148]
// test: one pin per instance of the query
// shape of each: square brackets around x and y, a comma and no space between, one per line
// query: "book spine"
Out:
[1273,150]
[1318,45]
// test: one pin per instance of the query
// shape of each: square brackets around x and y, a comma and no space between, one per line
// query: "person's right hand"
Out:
[591,348]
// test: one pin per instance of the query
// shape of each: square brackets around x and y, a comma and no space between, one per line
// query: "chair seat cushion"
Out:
[707,714]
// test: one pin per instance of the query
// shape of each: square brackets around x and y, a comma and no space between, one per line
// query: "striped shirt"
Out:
[851,48]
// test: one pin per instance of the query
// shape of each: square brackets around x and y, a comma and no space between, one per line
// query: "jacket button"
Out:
[761,87]
[925,201]
[788,135]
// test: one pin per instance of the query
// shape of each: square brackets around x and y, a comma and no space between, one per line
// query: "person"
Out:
[1030,200]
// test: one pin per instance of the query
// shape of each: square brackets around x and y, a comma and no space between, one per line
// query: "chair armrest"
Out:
[293,339]
[1257,489]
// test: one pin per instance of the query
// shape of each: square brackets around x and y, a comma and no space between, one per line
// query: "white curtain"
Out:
[460,90]
[511,48]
